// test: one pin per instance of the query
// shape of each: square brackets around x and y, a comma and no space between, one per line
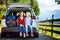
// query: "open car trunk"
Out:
[12,21]
[12,29]
[25,3]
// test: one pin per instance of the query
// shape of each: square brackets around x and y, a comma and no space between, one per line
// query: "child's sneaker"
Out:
[24,35]
[27,34]
[32,35]
[20,34]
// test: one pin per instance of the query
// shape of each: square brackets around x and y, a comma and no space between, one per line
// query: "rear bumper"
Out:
[16,35]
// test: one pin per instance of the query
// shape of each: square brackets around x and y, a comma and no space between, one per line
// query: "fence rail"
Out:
[50,30]
[47,25]
[50,23]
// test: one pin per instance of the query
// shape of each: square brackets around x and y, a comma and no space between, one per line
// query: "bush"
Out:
[35,7]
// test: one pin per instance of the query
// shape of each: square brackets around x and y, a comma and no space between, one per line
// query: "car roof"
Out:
[10,6]
[19,8]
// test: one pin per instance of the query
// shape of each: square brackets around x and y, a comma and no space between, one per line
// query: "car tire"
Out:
[36,35]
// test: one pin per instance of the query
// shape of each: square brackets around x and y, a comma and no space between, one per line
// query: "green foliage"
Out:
[58,2]
[2,9]
[18,1]
[10,1]
[1,14]
[35,7]
[2,2]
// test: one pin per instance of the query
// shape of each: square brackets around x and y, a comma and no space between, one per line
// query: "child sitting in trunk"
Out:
[21,23]
[28,21]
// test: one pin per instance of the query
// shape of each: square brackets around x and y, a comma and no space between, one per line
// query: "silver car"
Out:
[12,31]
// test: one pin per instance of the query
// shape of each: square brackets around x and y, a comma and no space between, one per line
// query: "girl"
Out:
[21,23]
[28,21]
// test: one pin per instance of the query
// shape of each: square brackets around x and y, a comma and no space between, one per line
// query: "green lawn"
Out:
[49,33]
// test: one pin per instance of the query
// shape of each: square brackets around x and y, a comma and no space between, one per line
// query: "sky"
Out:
[48,8]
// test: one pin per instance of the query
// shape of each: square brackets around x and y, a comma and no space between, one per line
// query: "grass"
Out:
[56,28]
[49,33]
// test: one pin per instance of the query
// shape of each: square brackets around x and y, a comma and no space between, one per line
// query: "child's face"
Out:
[28,14]
[21,14]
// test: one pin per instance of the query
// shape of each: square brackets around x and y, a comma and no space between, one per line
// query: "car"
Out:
[10,29]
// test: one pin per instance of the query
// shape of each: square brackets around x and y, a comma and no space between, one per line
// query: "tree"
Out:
[58,1]
[2,7]
[15,0]
[35,7]
[2,2]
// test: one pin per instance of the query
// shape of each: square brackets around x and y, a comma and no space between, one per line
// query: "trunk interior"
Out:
[13,14]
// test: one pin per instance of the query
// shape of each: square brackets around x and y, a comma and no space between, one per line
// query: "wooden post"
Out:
[42,30]
[46,23]
[52,25]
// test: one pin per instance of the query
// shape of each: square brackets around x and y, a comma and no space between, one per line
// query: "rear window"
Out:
[16,11]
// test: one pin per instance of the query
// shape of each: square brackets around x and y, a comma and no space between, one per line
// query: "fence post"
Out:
[46,23]
[52,25]
[42,30]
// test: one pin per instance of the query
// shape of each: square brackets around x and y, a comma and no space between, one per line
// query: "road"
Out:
[41,37]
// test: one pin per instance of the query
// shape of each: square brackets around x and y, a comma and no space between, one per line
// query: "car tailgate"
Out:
[11,29]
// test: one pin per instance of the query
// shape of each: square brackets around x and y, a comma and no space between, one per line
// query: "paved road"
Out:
[41,37]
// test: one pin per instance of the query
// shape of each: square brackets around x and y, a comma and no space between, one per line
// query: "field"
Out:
[49,33]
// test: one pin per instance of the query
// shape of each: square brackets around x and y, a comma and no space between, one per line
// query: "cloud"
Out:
[48,4]
[46,8]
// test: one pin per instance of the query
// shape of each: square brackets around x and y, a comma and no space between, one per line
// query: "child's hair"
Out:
[28,13]
[20,12]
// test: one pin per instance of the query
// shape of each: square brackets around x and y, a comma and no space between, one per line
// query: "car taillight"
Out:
[34,17]
[3,30]
[3,17]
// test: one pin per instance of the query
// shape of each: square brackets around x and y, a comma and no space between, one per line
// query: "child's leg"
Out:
[26,29]
[31,30]
[20,30]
